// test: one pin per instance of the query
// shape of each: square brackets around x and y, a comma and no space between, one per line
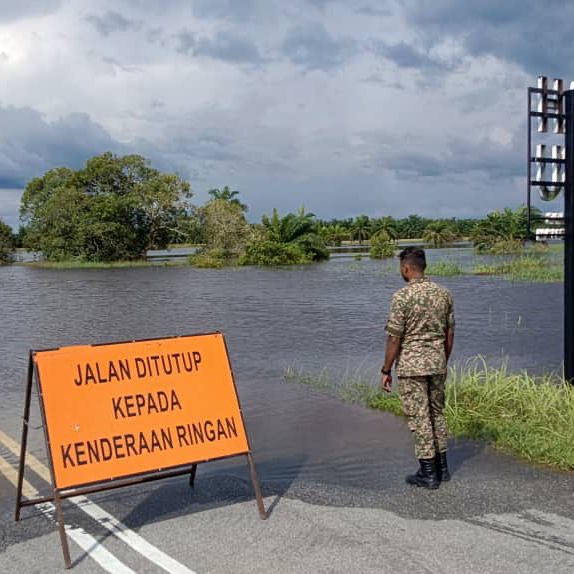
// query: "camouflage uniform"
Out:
[420,314]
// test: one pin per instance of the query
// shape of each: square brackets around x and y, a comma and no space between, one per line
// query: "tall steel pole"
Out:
[569,240]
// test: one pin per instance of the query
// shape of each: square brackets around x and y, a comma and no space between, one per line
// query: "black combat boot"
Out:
[442,466]
[426,476]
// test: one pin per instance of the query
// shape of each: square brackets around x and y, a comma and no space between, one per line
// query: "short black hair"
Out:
[415,257]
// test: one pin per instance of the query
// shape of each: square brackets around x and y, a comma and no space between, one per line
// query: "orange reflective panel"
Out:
[123,409]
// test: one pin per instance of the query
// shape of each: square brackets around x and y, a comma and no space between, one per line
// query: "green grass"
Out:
[532,268]
[529,417]
[444,268]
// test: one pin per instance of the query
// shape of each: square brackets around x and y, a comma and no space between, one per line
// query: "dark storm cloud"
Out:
[536,35]
[29,145]
[225,46]
[456,157]
[405,56]
[312,47]
[229,47]
[11,10]
[111,22]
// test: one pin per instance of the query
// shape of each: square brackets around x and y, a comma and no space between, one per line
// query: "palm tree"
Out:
[338,233]
[290,228]
[299,229]
[360,229]
[387,224]
[412,227]
[227,195]
[438,234]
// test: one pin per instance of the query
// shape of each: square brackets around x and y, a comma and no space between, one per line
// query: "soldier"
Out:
[420,338]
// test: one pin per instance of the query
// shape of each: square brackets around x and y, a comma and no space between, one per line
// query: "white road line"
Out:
[104,518]
[84,540]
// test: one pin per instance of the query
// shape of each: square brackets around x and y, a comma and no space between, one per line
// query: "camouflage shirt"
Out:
[420,314]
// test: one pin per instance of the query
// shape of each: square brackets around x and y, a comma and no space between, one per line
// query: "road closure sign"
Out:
[124,409]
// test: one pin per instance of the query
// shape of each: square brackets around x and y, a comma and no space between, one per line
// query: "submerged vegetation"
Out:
[502,232]
[382,245]
[292,239]
[530,417]
[289,240]
[444,268]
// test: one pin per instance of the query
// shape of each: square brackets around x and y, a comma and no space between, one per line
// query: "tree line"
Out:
[116,208]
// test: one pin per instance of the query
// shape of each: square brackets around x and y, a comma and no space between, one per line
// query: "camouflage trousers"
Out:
[423,399]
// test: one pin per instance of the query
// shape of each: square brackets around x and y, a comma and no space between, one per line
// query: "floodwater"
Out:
[326,316]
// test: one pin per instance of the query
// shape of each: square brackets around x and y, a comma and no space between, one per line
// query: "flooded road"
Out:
[327,316]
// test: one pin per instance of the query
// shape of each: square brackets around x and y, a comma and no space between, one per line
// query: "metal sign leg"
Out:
[256,487]
[24,442]
[62,529]
[192,476]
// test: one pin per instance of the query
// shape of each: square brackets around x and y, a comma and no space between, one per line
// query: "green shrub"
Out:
[209,259]
[499,246]
[269,252]
[382,246]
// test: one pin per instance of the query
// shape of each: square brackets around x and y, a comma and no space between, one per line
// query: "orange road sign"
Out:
[118,410]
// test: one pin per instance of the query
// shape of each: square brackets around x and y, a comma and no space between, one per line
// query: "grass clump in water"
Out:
[526,268]
[444,268]
[530,417]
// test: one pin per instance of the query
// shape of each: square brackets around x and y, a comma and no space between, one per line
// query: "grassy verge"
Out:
[530,417]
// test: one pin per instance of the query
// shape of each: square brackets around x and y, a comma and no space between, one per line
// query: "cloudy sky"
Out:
[345,106]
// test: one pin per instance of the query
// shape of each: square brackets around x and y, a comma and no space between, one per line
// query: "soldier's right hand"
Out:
[387,383]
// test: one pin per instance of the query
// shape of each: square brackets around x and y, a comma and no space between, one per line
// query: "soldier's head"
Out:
[413,263]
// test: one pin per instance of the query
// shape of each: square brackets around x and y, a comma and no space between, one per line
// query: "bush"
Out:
[382,247]
[269,252]
[495,246]
[209,259]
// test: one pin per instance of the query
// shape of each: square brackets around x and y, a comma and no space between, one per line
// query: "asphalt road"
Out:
[496,515]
